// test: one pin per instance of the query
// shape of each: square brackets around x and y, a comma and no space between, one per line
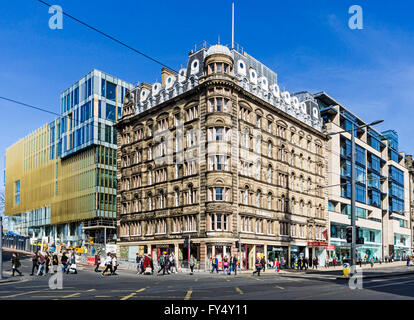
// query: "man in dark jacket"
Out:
[16,264]
[97,262]
[35,264]
[233,265]
[258,266]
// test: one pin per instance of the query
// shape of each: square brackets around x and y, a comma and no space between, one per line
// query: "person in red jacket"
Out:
[147,263]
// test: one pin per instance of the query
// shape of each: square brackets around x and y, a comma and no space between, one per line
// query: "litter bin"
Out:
[346,270]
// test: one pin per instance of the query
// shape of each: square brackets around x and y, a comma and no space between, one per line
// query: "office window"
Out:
[110,112]
[360,193]
[17,192]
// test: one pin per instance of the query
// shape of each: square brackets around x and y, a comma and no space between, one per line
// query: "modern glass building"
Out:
[61,179]
[381,186]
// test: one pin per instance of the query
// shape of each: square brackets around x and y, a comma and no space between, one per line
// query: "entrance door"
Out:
[251,257]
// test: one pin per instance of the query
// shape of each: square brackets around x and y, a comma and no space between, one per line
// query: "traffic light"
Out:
[359,240]
[348,234]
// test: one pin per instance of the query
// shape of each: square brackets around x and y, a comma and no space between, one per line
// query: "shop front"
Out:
[183,254]
[277,252]
[219,251]
[296,252]
[158,249]
[319,250]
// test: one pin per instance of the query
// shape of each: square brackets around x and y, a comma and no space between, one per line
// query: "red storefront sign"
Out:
[330,247]
[317,244]
[90,260]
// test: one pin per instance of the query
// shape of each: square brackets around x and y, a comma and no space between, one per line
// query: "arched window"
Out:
[269,174]
[246,196]
[269,149]
[282,204]
[269,201]
[258,169]
[258,199]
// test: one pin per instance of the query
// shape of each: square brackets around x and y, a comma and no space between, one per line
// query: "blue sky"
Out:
[307,43]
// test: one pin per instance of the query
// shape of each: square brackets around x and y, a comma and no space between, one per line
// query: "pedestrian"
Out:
[152,265]
[47,263]
[215,264]
[161,262]
[192,264]
[147,265]
[41,270]
[35,263]
[360,262]
[301,263]
[225,265]
[15,264]
[138,262]
[72,264]
[55,262]
[263,262]
[141,263]
[115,264]
[258,266]
[371,260]
[306,263]
[108,264]
[173,263]
[315,263]
[277,266]
[334,262]
[97,261]
[233,265]
[64,261]
[408,260]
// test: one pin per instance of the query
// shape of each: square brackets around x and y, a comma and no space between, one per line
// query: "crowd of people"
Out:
[111,264]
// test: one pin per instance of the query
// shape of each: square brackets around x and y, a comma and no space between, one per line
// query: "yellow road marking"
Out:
[72,295]
[14,282]
[279,287]
[188,295]
[128,296]
[239,290]
[20,294]
[90,290]
[140,290]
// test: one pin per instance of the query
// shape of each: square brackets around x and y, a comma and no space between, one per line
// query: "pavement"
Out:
[286,285]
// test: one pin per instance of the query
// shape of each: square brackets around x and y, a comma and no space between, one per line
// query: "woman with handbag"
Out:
[108,264]
[225,265]
[115,264]
[258,267]
[16,264]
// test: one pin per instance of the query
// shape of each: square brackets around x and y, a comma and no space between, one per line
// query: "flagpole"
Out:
[232,26]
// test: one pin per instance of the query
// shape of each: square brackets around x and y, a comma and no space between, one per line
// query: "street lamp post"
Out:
[353,216]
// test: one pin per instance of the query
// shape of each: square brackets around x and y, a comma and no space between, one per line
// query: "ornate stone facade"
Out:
[207,158]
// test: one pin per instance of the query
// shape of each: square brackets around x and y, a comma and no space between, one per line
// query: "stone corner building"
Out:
[217,152]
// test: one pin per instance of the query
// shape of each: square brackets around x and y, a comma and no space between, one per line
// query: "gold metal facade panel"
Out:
[76,185]
[67,186]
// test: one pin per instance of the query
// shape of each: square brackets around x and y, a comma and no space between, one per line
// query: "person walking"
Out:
[172,263]
[316,263]
[138,262]
[108,264]
[233,264]
[97,261]
[35,263]
[47,263]
[15,264]
[225,265]
[215,264]
[72,264]
[41,270]
[371,261]
[161,262]
[152,264]
[64,261]
[408,260]
[147,265]
[115,264]
[192,264]
[258,266]
[263,262]
[277,266]
[55,262]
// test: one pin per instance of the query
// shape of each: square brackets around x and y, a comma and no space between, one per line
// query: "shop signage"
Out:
[330,247]
[317,244]
[272,248]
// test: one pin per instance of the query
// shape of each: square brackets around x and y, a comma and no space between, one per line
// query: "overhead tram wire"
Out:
[110,37]
[30,106]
